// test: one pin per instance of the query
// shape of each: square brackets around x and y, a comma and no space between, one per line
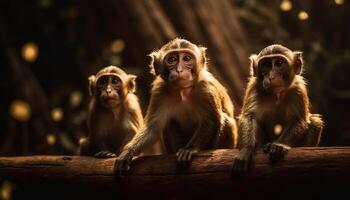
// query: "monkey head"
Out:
[178,62]
[276,66]
[111,85]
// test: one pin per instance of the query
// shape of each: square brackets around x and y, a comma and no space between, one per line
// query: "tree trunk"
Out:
[148,24]
[303,170]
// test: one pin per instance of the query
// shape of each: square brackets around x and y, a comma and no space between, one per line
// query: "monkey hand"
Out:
[122,163]
[184,156]
[276,151]
[105,154]
[243,161]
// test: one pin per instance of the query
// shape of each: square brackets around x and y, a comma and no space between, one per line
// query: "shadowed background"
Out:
[48,48]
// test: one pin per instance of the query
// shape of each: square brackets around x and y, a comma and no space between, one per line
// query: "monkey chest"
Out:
[111,135]
[183,119]
[182,122]
[271,119]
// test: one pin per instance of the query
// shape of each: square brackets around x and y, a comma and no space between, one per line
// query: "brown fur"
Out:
[264,108]
[110,129]
[187,120]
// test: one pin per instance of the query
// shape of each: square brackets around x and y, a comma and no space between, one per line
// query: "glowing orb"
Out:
[20,110]
[57,114]
[30,52]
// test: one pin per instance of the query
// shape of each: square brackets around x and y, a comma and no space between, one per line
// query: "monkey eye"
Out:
[187,58]
[115,80]
[103,81]
[171,60]
[279,62]
[265,63]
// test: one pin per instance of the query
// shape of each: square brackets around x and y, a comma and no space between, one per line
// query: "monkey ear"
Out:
[253,65]
[298,62]
[131,83]
[92,83]
[155,65]
[203,54]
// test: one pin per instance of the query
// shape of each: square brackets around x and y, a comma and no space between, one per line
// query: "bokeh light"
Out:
[286,5]
[75,98]
[339,2]
[20,110]
[51,139]
[82,140]
[6,190]
[57,114]
[117,46]
[278,129]
[30,52]
[303,15]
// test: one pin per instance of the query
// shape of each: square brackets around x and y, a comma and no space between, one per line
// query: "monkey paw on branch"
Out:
[276,94]
[188,107]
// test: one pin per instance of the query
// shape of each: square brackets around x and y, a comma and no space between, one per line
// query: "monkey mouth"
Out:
[110,99]
[183,83]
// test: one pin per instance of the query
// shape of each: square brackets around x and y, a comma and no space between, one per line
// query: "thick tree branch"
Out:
[303,170]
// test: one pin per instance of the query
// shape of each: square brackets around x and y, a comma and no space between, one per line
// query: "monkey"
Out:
[189,109]
[276,95]
[114,114]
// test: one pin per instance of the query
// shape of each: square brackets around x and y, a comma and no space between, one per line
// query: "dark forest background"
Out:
[48,48]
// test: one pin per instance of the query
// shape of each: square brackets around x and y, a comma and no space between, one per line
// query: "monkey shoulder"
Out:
[132,109]
[297,94]
[131,102]
[210,85]
[219,93]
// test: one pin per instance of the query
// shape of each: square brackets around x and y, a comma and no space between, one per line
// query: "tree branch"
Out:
[303,170]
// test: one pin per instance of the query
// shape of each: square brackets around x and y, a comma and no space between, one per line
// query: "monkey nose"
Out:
[109,90]
[179,68]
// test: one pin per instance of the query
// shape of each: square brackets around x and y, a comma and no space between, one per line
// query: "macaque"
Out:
[276,97]
[114,114]
[189,109]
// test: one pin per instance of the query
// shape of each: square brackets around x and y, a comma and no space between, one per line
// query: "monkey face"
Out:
[275,73]
[109,90]
[180,65]
[276,67]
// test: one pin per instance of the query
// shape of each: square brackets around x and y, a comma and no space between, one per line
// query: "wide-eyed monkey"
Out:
[114,114]
[189,109]
[276,100]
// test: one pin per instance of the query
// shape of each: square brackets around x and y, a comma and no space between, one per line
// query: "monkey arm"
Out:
[292,133]
[295,126]
[209,108]
[296,117]
[209,113]
[132,123]
[148,133]
[204,133]
[248,128]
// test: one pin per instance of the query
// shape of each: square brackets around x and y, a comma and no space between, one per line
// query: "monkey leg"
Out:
[314,132]
[172,138]
[227,138]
